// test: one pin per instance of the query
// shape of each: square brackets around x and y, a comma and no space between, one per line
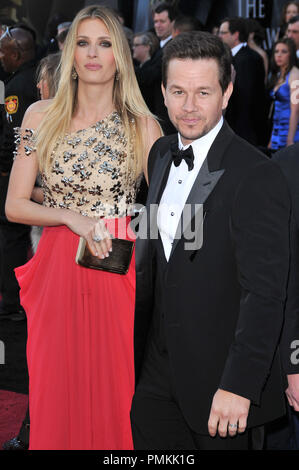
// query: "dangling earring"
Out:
[74,74]
[116,76]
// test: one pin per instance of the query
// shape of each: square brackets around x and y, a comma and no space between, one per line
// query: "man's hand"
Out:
[228,412]
[292,392]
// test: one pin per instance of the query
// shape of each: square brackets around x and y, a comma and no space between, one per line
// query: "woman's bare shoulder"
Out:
[294,73]
[35,114]
[150,126]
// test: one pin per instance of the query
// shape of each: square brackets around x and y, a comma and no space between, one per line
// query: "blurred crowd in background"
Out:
[147,46]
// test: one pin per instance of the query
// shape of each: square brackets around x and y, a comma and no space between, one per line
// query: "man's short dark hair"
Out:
[236,23]
[253,26]
[187,23]
[172,12]
[294,19]
[199,45]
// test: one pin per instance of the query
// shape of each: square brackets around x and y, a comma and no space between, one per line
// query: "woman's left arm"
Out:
[152,131]
[37,195]
[294,104]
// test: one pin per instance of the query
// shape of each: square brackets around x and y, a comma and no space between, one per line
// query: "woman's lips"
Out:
[93,66]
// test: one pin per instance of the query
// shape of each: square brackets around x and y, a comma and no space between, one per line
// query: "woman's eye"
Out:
[82,43]
[105,44]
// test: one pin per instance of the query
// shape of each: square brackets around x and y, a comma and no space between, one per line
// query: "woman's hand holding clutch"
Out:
[93,230]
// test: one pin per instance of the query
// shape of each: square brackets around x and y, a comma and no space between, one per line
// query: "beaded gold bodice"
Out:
[89,171]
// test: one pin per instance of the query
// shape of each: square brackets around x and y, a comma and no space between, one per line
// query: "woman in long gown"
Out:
[284,92]
[90,144]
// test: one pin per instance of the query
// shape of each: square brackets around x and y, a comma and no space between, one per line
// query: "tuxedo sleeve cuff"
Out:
[244,378]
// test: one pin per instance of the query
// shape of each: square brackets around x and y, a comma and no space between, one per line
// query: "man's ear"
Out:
[15,54]
[163,92]
[236,36]
[227,95]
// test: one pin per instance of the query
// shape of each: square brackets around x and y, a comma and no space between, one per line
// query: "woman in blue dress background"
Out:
[284,90]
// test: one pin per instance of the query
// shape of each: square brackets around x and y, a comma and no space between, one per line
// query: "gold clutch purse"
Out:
[118,261]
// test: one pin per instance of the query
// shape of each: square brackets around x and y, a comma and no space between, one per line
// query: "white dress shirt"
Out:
[165,41]
[236,49]
[178,187]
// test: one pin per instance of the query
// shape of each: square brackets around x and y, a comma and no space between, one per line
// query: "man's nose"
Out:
[190,103]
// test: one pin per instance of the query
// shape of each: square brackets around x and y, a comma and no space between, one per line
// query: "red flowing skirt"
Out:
[79,349]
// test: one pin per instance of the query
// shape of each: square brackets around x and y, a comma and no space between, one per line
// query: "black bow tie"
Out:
[179,155]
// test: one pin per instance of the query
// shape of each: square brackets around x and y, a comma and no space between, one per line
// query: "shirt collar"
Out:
[203,144]
[236,49]
[164,41]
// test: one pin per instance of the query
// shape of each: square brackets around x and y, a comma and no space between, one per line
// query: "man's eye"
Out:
[178,92]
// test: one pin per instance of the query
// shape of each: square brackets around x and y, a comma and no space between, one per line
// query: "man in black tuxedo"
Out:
[209,311]
[246,112]
[150,75]
[284,433]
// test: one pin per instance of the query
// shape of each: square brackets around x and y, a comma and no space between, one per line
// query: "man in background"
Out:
[17,56]
[164,16]
[293,31]
[283,434]
[246,112]
[183,24]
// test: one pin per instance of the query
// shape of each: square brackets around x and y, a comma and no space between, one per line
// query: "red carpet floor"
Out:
[13,379]
[13,407]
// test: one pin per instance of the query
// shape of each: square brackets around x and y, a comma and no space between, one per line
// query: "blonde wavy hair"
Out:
[127,97]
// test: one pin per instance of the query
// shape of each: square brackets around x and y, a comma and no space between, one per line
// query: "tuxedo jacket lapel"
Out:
[159,178]
[202,188]
[206,176]
[148,224]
